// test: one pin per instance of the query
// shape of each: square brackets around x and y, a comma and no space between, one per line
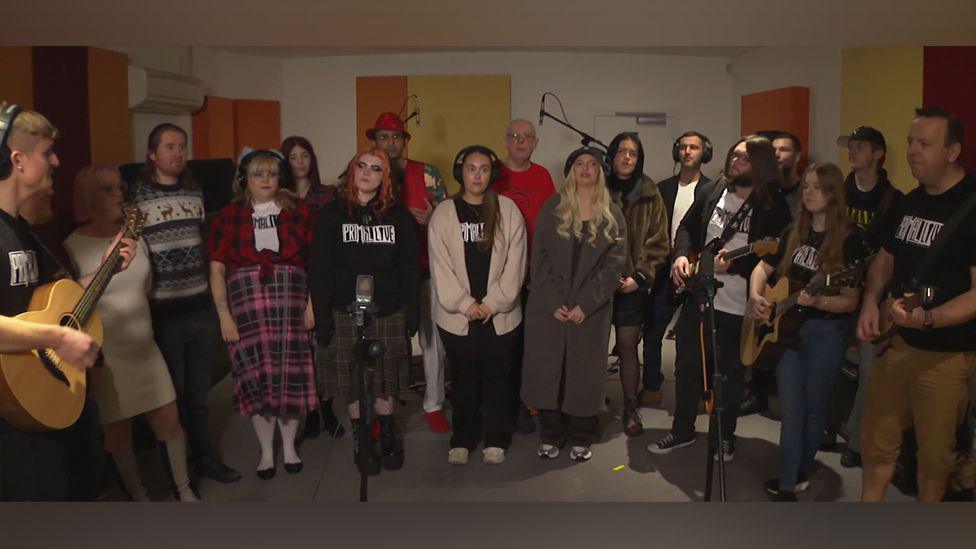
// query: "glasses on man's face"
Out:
[519,136]
[740,158]
[389,138]
[371,167]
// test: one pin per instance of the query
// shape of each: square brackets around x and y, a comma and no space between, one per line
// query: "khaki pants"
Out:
[927,389]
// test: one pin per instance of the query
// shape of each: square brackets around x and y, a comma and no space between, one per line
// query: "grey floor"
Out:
[621,468]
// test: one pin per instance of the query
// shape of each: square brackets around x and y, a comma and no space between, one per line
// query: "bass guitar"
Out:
[38,389]
[763,342]
[762,248]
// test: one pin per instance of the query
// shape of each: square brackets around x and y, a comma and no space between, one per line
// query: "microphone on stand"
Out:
[416,110]
[542,109]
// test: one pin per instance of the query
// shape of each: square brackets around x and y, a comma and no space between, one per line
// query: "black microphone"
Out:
[542,108]
[416,111]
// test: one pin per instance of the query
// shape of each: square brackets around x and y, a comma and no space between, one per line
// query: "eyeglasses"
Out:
[518,136]
[740,158]
[393,137]
[372,167]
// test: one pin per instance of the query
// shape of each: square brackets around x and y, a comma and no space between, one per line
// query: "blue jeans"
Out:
[805,377]
[189,344]
[656,322]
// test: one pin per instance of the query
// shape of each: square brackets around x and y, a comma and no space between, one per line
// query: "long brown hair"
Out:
[765,175]
[830,180]
[489,205]
[384,195]
[313,162]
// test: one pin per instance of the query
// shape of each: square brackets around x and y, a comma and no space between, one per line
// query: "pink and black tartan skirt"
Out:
[271,364]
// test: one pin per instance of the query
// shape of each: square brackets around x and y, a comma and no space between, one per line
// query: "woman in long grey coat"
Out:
[579,253]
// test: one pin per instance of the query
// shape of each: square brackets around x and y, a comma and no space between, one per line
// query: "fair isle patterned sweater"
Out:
[174,216]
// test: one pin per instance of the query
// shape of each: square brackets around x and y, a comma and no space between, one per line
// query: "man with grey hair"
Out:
[529,185]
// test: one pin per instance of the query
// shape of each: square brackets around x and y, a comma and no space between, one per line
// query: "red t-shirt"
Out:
[529,190]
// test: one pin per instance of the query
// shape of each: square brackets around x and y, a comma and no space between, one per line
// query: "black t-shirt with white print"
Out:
[806,260]
[476,261]
[919,220]
[24,265]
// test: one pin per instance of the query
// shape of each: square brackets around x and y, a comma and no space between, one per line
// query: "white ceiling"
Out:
[342,26]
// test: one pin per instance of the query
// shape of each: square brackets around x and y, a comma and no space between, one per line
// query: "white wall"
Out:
[223,74]
[817,68]
[319,96]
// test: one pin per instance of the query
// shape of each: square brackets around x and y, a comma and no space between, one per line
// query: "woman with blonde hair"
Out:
[134,379]
[258,252]
[820,240]
[579,254]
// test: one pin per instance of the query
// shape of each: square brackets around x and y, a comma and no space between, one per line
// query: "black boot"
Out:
[330,423]
[311,429]
[632,420]
[368,462]
[755,404]
[392,453]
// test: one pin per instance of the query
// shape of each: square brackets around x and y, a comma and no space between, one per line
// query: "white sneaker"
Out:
[493,455]
[548,451]
[458,456]
[580,453]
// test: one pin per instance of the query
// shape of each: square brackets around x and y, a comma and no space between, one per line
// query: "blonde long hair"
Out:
[568,212]
[830,179]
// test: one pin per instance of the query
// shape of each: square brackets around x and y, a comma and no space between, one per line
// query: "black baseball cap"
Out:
[864,133]
[596,153]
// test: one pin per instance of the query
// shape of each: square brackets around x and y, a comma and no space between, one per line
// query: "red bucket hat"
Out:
[388,121]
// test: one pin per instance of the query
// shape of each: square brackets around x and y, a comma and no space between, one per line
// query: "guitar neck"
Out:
[738,252]
[86,305]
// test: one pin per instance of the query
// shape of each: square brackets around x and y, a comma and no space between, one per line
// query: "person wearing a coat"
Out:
[579,254]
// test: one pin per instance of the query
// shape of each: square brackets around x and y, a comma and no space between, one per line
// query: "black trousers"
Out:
[688,369]
[480,364]
[558,427]
[518,351]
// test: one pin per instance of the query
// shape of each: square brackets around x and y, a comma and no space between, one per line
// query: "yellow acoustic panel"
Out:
[457,111]
[880,87]
[109,120]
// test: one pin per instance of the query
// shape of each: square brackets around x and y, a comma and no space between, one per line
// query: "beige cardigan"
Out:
[449,272]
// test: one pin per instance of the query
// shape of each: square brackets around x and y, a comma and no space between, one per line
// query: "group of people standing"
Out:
[512,285]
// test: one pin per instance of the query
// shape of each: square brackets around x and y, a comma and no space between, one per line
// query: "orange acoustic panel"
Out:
[213,129]
[375,95]
[109,121]
[257,124]
[17,83]
[785,109]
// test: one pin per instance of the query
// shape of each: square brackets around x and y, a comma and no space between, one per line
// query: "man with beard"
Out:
[690,151]
[788,152]
[529,185]
[744,210]
[419,187]
[185,325]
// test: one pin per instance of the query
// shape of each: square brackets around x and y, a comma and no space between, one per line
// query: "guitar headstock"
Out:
[766,246]
[852,275]
[134,221]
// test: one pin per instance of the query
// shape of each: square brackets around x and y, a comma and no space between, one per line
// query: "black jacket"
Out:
[669,191]
[345,246]
[694,227]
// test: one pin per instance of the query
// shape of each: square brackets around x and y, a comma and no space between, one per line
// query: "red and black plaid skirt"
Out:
[271,364]
[336,368]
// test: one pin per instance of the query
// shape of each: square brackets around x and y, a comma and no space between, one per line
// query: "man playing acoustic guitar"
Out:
[922,378]
[32,465]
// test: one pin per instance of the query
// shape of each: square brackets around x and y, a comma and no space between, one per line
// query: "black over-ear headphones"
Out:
[463,153]
[7,117]
[707,148]
[249,156]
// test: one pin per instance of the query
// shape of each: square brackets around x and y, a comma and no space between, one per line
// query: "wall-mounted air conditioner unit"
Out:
[163,92]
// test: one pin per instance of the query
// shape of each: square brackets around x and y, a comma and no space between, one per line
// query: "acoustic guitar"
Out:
[763,342]
[886,323]
[38,389]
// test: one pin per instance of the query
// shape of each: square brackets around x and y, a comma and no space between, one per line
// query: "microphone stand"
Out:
[366,352]
[704,286]
[586,138]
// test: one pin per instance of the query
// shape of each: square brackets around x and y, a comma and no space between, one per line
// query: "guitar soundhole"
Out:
[48,357]
[69,321]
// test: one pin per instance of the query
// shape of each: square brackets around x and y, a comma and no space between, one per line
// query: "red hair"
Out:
[384,195]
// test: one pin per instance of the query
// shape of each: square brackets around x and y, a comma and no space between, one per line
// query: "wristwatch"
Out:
[927,324]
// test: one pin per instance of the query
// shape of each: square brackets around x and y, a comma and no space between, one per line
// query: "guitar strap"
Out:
[732,226]
[957,217]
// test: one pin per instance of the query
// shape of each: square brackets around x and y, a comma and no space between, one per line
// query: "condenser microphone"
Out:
[416,110]
[542,108]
